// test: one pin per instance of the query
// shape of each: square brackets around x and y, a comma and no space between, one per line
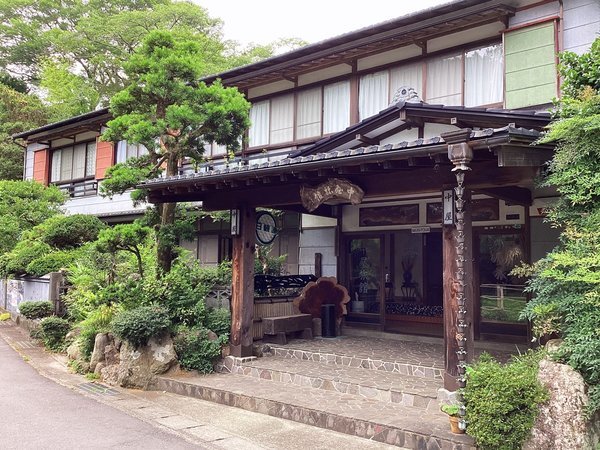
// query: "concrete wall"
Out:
[13,292]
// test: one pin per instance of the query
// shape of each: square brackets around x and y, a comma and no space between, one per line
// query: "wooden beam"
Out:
[242,295]
[366,140]
[510,194]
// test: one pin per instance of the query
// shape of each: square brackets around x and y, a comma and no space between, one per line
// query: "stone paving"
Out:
[376,385]
[390,423]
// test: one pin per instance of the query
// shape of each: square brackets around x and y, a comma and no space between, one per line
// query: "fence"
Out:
[14,291]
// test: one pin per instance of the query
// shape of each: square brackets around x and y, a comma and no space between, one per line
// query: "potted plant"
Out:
[452,411]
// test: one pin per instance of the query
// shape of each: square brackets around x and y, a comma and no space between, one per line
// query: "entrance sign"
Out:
[420,230]
[266,228]
[234,220]
[448,202]
[332,189]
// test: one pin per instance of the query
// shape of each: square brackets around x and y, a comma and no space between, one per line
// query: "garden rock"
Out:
[561,422]
[100,343]
[212,336]
[138,366]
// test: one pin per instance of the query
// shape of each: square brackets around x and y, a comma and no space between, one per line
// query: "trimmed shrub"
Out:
[138,325]
[18,259]
[52,262]
[64,232]
[36,310]
[53,331]
[195,351]
[219,321]
[502,400]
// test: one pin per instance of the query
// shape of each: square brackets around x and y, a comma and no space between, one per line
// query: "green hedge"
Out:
[140,324]
[36,309]
[195,351]
[502,401]
[53,332]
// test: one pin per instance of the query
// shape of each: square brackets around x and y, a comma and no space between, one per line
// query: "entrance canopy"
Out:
[505,161]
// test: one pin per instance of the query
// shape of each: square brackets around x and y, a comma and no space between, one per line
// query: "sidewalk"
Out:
[202,423]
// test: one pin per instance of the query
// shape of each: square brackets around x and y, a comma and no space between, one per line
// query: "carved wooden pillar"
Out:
[458,271]
[242,295]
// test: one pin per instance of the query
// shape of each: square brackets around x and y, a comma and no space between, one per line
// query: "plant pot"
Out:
[454,425]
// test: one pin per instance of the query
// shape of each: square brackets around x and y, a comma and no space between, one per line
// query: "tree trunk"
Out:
[167,219]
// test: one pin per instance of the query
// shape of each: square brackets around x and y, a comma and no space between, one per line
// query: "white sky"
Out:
[263,21]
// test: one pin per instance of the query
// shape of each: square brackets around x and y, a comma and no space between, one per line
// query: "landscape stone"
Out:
[561,423]
[100,343]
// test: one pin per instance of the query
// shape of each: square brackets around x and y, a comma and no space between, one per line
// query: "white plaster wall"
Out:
[581,24]
[318,240]
[100,206]
[535,13]
[406,135]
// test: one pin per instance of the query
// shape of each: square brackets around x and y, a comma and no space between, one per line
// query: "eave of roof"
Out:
[375,153]
[71,121]
[391,30]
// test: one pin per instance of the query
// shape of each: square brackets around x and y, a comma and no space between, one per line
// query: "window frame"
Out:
[72,146]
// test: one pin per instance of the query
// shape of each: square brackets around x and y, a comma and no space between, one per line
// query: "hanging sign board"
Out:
[234,220]
[266,228]
[448,202]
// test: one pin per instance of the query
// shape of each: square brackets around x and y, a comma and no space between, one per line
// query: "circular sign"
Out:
[266,229]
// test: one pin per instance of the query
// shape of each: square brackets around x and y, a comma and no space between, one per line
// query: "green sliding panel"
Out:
[530,66]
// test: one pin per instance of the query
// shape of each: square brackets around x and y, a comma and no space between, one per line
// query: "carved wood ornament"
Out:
[332,189]
[324,291]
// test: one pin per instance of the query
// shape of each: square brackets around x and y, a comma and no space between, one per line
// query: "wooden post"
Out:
[242,295]
[458,270]
[318,265]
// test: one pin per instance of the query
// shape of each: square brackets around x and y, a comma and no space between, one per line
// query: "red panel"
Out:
[41,166]
[105,157]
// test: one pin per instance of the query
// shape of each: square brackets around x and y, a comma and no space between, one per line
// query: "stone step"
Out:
[389,387]
[395,424]
[417,360]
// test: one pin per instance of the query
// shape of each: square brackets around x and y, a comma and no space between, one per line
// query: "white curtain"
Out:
[90,163]
[409,76]
[121,151]
[79,161]
[55,166]
[444,80]
[484,80]
[336,107]
[373,94]
[259,120]
[308,113]
[282,119]
[66,164]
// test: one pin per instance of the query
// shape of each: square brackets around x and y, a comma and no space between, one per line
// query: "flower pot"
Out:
[454,425]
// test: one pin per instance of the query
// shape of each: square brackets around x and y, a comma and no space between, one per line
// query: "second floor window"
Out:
[308,113]
[73,163]
[126,150]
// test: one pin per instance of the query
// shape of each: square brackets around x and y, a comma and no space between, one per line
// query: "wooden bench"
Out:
[276,329]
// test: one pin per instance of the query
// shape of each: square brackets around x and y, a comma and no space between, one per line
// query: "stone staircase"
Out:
[385,391]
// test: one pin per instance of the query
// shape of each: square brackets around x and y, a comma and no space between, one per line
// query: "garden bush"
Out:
[36,309]
[195,351]
[53,331]
[16,262]
[502,400]
[219,321]
[64,232]
[140,324]
[98,321]
[52,262]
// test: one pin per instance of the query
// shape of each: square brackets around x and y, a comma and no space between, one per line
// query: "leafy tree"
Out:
[18,112]
[566,283]
[126,237]
[23,205]
[167,109]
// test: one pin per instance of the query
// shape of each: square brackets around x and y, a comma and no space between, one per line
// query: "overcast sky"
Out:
[263,21]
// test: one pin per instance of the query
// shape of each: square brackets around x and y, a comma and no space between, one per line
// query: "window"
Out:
[306,114]
[484,76]
[444,80]
[73,163]
[336,107]
[373,94]
[406,76]
[126,150]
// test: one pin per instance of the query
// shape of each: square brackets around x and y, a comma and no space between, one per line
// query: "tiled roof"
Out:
[405,148]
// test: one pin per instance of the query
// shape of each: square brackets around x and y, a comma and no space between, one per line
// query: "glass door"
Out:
[365,279]
[501,294]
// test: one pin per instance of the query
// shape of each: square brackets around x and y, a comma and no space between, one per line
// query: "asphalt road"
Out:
[36,413]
